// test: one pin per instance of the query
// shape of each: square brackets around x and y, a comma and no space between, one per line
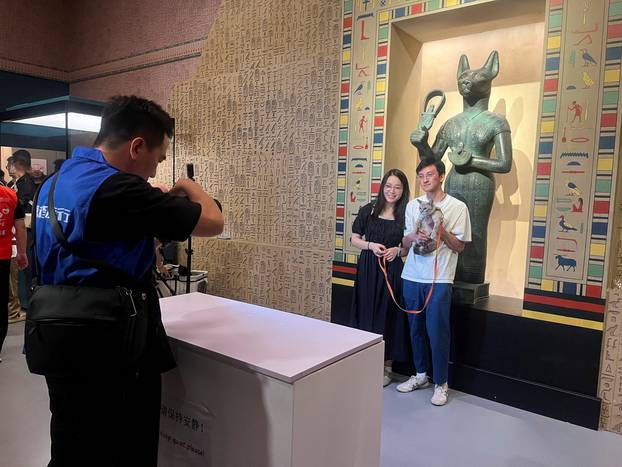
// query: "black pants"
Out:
[5,277]
[24,277]
[105,421]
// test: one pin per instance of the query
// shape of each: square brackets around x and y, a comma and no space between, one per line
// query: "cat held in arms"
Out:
[428,221]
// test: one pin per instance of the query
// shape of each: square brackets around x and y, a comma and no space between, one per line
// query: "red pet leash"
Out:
[383,266]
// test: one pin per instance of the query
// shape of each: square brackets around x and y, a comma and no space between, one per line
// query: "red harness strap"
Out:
[383,266]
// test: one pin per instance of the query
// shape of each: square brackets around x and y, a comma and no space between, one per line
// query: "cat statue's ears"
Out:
[463,65]
[492,64]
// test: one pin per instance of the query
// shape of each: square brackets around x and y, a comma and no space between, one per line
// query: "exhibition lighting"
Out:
[76,121]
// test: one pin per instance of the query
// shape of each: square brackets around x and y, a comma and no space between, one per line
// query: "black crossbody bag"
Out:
[81,330]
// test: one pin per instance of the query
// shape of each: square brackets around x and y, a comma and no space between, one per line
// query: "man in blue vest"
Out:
[109,212]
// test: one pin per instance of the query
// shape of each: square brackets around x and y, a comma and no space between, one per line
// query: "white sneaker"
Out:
[415,382]
[440,395]
[386,380]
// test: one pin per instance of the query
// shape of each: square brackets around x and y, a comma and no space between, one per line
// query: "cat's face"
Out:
[476,84]
[425,207]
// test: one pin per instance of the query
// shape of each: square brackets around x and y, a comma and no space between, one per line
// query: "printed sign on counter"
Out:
[184,433]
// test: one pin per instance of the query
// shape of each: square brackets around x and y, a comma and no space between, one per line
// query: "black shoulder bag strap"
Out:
[33,228]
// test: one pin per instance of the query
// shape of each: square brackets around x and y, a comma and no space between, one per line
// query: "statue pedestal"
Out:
[469,294]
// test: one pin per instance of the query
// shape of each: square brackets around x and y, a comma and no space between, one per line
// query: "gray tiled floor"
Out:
[474,432]
[25,418]
[467,432]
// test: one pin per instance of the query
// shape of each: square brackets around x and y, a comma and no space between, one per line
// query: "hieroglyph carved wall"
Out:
[610,383]
[260,123]
[610,390]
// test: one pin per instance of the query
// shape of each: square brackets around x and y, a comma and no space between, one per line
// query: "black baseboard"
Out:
[546,368]
[579,409]
[491,335]
[341,304]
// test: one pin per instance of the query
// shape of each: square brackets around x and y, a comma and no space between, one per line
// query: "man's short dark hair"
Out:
[128,117]
[21,158]
[428,161]
[58,163]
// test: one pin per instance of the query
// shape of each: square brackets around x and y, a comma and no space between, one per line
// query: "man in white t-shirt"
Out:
[432,325]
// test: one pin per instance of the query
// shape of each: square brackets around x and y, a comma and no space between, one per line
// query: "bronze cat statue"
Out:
[470,136]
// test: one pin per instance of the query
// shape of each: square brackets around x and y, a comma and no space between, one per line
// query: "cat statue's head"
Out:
[426,207]
[476,84]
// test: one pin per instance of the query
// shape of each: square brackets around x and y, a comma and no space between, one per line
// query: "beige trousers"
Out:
[14,306]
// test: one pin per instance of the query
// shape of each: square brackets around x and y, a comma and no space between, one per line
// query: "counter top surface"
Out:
[282,345]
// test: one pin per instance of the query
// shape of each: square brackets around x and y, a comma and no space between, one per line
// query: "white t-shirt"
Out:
[420,268]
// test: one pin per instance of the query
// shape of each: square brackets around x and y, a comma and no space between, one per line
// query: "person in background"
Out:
[25,186]
[377,231]
[11,171]
[58,163]
[24,183]
[11,217]
[15,309]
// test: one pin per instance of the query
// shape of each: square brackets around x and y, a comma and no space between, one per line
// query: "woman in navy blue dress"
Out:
[378,230]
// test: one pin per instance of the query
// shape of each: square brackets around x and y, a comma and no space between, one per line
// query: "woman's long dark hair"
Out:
[399,210]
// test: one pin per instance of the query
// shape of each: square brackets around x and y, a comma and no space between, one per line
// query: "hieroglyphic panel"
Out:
[577,142]
[259,123]
[360,124]
[610,390]
[576,159]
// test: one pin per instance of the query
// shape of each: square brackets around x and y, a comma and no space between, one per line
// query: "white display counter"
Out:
[260,387]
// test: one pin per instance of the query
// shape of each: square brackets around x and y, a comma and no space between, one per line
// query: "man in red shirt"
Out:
[11,217]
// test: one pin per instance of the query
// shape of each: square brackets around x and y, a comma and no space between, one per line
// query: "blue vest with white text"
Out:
[79,179]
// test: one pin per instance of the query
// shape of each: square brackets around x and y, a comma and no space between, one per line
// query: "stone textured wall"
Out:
[259,122]
[138,47]
[610,383]
[610,390]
